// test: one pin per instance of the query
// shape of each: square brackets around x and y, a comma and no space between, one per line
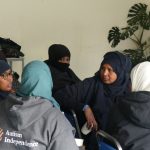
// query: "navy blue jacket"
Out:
[89,91]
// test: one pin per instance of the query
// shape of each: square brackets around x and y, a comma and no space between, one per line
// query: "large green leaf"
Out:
[114,36]
[138,16]
[138,19]
[128,31]
[145,23]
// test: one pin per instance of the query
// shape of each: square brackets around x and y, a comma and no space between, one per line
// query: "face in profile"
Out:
[6,80]
[65,60]
[107,74]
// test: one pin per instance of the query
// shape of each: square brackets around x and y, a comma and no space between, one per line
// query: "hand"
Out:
[91,122]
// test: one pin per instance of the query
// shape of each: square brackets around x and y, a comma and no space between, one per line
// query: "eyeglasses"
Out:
[5,75]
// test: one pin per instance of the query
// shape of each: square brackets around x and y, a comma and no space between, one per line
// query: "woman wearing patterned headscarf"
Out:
[58,62]
[96,95]
[129,119]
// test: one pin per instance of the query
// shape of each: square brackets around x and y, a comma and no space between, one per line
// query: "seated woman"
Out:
[15,82]
[58,62]
[94,96]
[129,119]
[62,75]
[31,121]
[6,79]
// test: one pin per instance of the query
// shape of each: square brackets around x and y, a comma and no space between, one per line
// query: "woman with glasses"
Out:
[31,120]
[6,79]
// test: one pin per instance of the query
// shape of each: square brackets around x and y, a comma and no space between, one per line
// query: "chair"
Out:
[76,125]
[111,144]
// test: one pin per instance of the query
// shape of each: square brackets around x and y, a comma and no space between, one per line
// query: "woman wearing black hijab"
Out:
[6,80]
[95,96]
[58,62]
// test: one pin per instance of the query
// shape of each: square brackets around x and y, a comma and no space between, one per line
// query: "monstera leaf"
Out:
[138,16]
[138,21]
[114,36]
[128,31]
[145,23]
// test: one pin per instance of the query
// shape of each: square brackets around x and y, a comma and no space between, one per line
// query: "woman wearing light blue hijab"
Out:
[37,81]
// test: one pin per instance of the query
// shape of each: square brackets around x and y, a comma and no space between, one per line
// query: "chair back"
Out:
[113,143]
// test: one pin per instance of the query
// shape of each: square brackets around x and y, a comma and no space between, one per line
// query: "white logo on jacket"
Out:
[15,138]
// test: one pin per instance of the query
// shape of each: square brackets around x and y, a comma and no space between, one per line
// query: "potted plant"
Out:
[138,22]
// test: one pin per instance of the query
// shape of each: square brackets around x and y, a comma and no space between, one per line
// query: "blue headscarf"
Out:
[121,65]
[37,81]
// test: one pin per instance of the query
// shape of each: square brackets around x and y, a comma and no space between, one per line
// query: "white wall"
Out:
[82,25]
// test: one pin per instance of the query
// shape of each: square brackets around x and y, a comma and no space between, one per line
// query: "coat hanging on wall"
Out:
[10,48]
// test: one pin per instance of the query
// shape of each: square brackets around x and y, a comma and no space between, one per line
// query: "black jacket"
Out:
[61,78]
[129,121]
[3,95]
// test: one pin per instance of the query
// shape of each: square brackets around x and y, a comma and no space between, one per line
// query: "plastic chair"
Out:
[113,143]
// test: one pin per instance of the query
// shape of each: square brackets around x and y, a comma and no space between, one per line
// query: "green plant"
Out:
[138,22]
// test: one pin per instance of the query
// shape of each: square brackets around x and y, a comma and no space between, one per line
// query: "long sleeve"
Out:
[63,141]
[61,136]
[76,96]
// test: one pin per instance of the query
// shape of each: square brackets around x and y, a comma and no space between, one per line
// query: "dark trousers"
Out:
[91,142]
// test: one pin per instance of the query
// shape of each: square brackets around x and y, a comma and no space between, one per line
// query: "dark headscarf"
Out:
[121,65]
[3,67]
[105,94]
[62,75]
[55,53]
